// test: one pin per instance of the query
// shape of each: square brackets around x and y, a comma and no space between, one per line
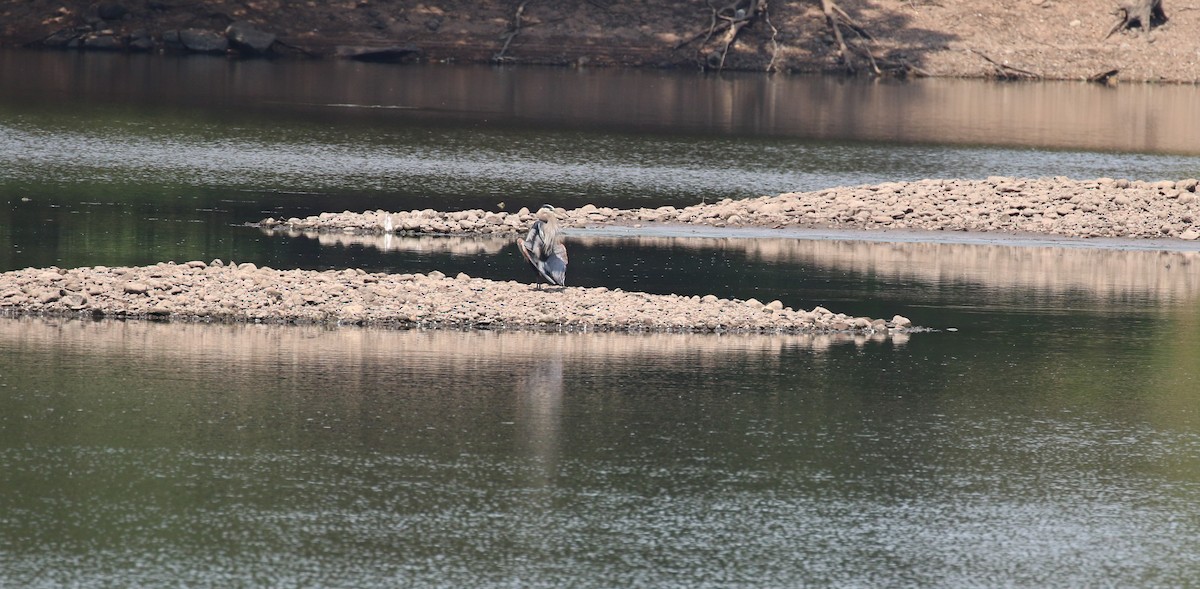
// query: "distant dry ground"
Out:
[1052,39]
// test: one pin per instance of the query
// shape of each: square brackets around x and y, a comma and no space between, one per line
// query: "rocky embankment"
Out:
[199,291]
[1091,208]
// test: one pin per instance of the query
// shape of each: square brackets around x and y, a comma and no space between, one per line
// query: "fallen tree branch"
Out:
[831,21]
[514,29]
[1108,78]
[865,51]
[712,28]
[850,21]
[836,18]
[774,37]
[741,17]
[728,20]
[1007,72]
[306,52]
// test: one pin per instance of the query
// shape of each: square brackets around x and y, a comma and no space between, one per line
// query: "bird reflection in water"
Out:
[539,400]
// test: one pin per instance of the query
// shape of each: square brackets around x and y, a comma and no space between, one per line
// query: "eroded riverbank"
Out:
[200,291]
[1105,207]
[1056,40]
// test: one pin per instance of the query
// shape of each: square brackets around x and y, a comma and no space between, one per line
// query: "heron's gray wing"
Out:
[555,267]
[538,265]
[535,241]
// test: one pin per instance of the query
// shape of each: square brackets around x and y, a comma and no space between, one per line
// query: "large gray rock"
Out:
[203,41]
[75,302]
[136,288]
[249,40]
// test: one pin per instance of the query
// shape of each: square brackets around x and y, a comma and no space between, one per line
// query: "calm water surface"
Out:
[1052,440]
[116,159]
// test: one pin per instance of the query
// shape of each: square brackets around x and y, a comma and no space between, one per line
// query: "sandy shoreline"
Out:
[245,293]
[1103,208]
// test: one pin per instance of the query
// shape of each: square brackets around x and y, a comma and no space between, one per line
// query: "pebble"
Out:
[136,288]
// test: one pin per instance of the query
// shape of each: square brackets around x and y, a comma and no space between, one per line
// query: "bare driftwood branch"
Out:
[740,18]
[850,21]
[297,48]
[1108,78]
[774,37]
[712,28]
[831,20]
[1007,72]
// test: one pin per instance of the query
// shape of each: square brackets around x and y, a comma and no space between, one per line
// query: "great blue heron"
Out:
[544,250]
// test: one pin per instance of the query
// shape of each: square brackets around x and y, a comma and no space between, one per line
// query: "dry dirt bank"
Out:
[1057,206]
[1052,39]
[198,291]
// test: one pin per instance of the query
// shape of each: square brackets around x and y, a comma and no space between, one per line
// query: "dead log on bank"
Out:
[1108,78]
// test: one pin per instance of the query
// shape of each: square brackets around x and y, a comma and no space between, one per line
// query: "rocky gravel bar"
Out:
[239,293]
[1104,207]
